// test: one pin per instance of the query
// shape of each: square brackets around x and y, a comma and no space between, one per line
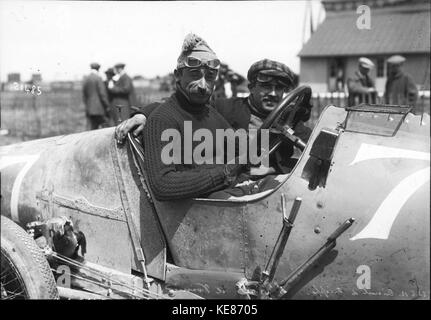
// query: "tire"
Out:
[25,272]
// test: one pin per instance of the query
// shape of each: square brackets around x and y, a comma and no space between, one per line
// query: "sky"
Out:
[59,39]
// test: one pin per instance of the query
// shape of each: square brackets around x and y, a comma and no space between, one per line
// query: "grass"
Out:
[29,117]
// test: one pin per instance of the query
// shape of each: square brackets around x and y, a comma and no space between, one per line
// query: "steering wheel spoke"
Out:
[276,130]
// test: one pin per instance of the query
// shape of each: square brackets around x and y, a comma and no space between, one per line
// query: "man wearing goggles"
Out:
[195,75]
[194,62]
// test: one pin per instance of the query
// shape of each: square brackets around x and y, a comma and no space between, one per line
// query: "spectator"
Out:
[361,87]
[122,92]
[400,88]
[109,75]
[95,99]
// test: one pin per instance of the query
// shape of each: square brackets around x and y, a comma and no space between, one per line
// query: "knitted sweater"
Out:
[177,181]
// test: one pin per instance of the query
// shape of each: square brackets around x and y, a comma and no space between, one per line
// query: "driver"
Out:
[268,81]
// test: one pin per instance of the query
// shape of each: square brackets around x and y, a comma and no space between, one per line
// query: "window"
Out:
[380,67]
[332,69]
[336,74]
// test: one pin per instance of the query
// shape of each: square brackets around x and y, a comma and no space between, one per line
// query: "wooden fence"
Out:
[340,99]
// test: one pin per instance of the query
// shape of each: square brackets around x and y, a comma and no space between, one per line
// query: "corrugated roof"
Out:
[390,33]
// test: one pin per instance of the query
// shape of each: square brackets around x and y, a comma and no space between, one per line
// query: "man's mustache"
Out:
[195,88]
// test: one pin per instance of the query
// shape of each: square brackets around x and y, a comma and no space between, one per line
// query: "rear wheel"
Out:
[25,272]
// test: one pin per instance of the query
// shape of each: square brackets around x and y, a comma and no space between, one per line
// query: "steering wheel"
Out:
[281,120]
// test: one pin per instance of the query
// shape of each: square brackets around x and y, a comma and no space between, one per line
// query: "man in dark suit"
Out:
[95,99]
[361,86]
[122,93]
[400,88]
[109,75]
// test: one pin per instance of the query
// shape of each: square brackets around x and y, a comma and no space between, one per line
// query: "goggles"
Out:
[210,74]
[193,62]
[266,78]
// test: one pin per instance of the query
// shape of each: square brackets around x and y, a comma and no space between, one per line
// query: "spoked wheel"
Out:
[12,285]
[25,272]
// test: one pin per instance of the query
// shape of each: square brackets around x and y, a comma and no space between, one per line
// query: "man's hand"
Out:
[233,172]
[137,122]
[303,113]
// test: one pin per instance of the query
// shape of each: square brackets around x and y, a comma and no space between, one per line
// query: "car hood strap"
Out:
[134,235]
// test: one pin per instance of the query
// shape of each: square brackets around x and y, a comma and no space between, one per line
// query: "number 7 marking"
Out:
[381,223]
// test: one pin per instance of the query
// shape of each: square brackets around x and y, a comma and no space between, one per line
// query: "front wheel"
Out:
[25,272]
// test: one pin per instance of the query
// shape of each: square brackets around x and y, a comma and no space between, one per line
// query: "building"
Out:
[397,27]
[13,77]
[36,78]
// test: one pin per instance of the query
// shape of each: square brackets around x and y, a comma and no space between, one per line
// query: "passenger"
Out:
[195,75]
[268,82]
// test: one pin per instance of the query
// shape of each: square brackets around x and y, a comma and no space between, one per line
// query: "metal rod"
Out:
[278,250]
[299,272]
[306,266]
[72,294]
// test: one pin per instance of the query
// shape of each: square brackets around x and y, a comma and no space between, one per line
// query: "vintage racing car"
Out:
[350,221]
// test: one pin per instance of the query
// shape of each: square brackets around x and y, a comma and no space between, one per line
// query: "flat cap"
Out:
[366,63]
[397,59]
[95,65]
[120,65]
[271,68]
